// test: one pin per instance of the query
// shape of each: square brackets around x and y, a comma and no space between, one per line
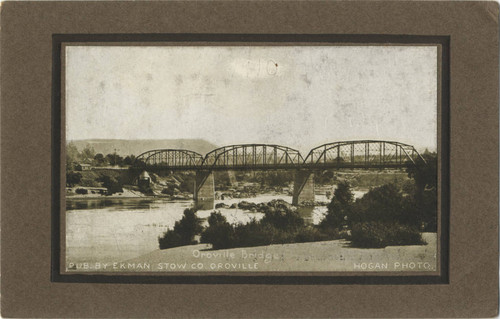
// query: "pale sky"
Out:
[297,96]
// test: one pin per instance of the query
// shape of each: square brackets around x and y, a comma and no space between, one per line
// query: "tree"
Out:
[114,159]
[424,199]
[343,193]
[219,232]
[189,225]
[383,203]
[282,217]
[72,156]
[129,160]
[424,173]
[183,232]
[99,159]
[340,207]
[111,183]
[73,178]
[87,154]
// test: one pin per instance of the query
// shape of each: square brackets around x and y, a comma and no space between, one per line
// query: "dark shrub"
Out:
[343,193]
[183,232]
[424,194]
[81,191]
[399,235]
[368,235]
[112,184]
[428,211]
[255,233]
[73,178]
[282,218]
[336,216]
[380,204]
[189,225]
[339,209]
[280,225]
[378,235]
[219,232]
[171,239]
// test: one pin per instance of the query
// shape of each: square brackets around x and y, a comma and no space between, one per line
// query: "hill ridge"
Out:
[135,147]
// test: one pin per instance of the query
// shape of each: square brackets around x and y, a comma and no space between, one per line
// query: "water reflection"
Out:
[112,203]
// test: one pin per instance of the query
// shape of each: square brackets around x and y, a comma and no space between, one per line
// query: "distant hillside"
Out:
[136,147]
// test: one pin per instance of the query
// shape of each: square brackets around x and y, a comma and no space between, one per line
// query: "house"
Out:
[83,167]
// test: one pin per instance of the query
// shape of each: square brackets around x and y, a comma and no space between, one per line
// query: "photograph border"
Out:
[27,29]
[58,40]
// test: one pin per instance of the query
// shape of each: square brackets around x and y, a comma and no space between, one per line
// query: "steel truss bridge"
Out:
[363,154]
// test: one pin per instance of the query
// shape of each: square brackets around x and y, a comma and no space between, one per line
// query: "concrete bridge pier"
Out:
[204,190]
[303,187]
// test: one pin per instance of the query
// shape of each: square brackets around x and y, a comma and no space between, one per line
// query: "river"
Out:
[118,229]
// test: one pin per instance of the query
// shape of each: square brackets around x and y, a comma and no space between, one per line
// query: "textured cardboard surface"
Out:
[26,66]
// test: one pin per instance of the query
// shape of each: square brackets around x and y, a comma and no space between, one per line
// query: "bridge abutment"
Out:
[204,190]
[303,187]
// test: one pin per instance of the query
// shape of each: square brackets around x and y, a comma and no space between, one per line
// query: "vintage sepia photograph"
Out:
[251,158]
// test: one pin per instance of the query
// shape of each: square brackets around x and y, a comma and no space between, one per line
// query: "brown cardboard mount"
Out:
[28,30]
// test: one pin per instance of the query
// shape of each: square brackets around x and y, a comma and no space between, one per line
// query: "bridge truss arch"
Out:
[363,154]
[173,159]
[253,156]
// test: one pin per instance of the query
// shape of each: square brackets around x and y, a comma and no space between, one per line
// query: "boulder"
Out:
[247,205]
[221,205]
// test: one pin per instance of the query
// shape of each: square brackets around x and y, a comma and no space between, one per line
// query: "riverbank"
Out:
[127,193]
[334,255]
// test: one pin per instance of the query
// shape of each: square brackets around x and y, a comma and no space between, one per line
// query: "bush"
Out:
[171,239]
[381,204]
[340,207]
[279,226]
[282,218]
[336,216]
[81,191]
[424,194]
[400,235]
[73,178]
[378,235]
[112,184]
[183,232]
[219,232]
[343,193]
[255,233]
[222,235]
